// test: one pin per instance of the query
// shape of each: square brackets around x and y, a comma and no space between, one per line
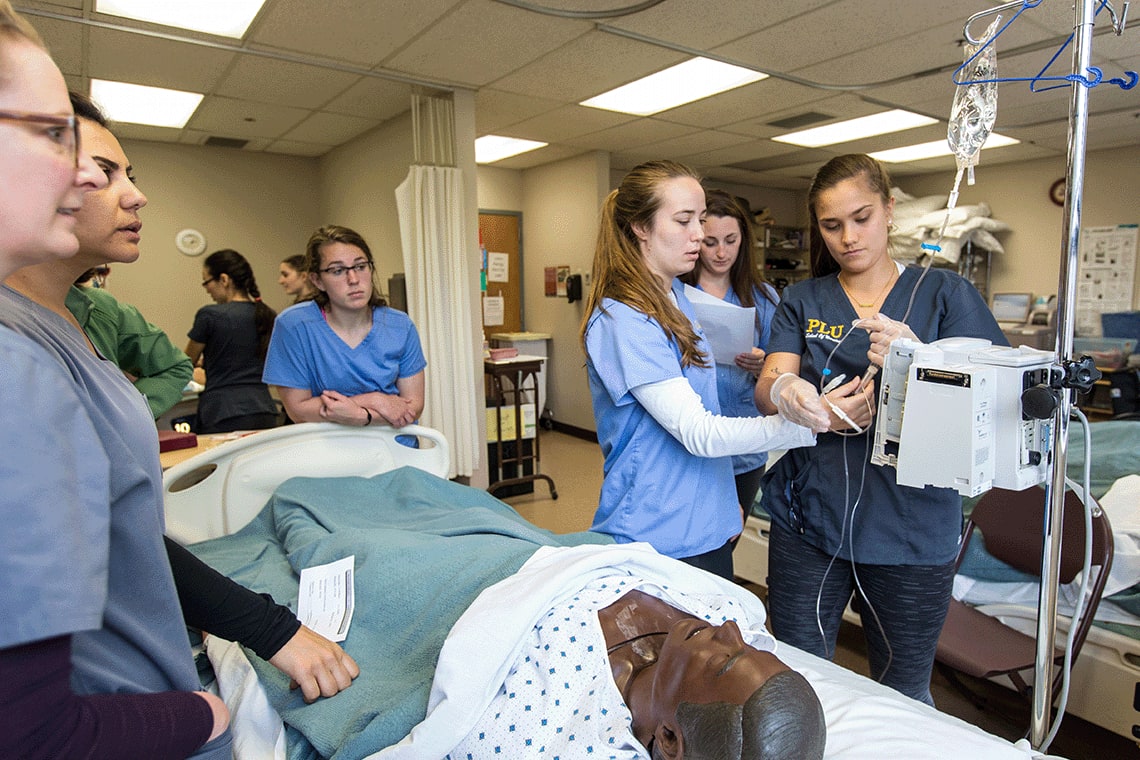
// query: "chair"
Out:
[1012,525]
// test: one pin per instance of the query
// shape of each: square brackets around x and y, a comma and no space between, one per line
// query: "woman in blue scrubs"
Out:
[668,473]
[725,270]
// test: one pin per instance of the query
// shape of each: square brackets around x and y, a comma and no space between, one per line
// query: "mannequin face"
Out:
[698,663]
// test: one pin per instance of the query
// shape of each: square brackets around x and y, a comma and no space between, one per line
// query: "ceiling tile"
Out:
[143,132]
[495,109]
[266,80]
[227,117]
[634,134]
[64,40]
[566,122]
[755,100]
[292,148]
[362,33]
[591,58]
[538,157]
[484,41]
[708,23]
[128,57]
[373,98]
[329,128]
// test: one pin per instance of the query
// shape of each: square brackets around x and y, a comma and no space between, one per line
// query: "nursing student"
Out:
[840,523]
[346,356]
[667,472]
[66,581]
[725,269]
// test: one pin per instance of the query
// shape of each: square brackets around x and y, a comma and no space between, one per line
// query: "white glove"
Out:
[797,401]
[884,331]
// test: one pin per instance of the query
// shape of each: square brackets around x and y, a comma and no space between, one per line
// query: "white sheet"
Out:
[864,719]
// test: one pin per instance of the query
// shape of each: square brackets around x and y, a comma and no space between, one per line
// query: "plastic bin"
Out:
[1122,324]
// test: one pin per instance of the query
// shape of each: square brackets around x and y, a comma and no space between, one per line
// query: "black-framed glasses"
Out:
[65,136]
[337,270]
[207,282]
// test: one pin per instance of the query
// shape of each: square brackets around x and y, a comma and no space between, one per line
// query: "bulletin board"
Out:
[1105,275]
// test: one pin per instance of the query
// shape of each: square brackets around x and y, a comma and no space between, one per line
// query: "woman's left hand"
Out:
[751,362]
[884,331]
[336,407]
[319,667]
[857,405]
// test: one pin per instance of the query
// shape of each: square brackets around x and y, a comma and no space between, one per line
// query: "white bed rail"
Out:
[220,490]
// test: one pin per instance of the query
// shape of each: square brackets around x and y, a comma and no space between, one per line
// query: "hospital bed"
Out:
[218,492]
[1105,687]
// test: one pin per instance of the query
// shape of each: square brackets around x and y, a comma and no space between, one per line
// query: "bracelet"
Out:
[369,421]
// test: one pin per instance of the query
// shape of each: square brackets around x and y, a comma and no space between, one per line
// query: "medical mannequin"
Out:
[663,658]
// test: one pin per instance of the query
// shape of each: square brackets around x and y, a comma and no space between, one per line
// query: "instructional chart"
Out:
[1105,275]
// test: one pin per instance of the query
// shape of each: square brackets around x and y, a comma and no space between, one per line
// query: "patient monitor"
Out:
[950,415]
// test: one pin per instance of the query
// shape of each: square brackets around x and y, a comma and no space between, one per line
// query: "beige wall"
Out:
[560,224]
[260,204]
[500,189]
[1018,196]
[357,189]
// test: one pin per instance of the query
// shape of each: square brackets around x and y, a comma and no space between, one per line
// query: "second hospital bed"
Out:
[216,493]
[1105,686]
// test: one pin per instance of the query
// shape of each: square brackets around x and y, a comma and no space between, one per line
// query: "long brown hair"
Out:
[829,175]
[744,276]
[229,262]
[334,233]
[620,271]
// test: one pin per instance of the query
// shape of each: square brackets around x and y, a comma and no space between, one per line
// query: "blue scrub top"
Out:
[736,387]
[807,490]
[304,352]
[653,490]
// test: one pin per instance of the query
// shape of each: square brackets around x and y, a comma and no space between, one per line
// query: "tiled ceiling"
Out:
[309,76]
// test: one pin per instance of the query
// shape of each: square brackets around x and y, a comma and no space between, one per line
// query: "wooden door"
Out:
[501,232]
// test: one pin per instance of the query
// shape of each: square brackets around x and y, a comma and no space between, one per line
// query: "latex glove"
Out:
[318,666]
[884,331]
[797,401]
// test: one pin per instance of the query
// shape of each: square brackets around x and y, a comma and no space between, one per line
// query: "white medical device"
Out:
[950,415]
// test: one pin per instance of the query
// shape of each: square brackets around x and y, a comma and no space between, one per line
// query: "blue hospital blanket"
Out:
[424,548]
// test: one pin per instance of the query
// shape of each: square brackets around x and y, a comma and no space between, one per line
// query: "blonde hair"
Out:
[13,26]
[620,271]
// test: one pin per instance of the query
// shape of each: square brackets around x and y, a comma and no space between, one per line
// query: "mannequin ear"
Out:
[668,742]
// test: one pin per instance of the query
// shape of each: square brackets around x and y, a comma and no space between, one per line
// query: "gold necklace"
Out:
[890,281]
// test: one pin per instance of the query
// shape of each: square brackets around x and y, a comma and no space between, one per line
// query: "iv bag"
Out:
[974,110]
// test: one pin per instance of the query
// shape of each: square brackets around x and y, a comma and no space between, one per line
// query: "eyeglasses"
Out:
[207,282]
[340,271]
[64,130]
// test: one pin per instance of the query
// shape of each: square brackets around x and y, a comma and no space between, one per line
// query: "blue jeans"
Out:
[902,607]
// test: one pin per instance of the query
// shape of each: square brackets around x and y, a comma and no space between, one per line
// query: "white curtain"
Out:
[436,267]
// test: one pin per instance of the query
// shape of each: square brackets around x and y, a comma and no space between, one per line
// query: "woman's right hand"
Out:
[220,712]
[855,403]
[796,400]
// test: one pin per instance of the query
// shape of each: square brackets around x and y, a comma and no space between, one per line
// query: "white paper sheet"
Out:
[730,329]
[326,598]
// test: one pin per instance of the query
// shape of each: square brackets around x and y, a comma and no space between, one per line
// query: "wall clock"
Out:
[190,242]
[1057,192]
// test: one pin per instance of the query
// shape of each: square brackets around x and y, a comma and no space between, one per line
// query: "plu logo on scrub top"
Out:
[820,330]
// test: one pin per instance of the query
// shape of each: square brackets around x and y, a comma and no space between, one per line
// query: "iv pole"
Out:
[1066,310]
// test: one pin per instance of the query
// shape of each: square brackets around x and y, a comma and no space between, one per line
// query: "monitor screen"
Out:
[1011,307]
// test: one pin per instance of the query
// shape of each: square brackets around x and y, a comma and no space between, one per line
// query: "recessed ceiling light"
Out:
[856,129]
[139,104]
[935,149]
[227,18]
[692,80]
[492,148]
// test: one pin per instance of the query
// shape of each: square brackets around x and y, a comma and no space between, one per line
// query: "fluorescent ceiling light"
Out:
[856,129]
[139,104]
[492,148]
[227,18]
[692,80]
[935,149]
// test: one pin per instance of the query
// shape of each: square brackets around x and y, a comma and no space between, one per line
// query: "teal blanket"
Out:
[424,548]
